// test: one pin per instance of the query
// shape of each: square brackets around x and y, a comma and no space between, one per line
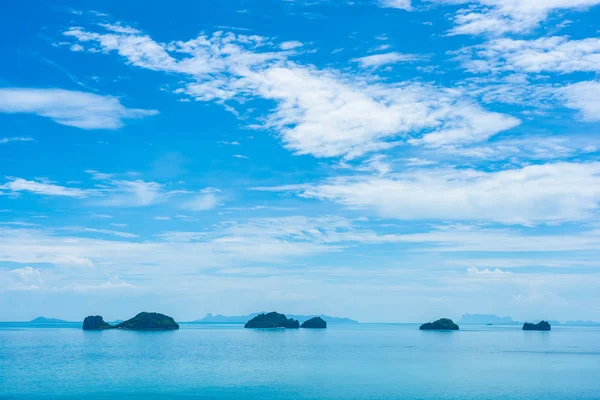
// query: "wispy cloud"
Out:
[293,44]
[71,108]
[529,195]
[206,200]
[378,60]
[400,4]
[546,54]
[507,16]
[351,115]
[16,185]
[16,139]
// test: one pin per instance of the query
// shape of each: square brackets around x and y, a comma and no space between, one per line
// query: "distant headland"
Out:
[486,319]
[144,321]
[44,320]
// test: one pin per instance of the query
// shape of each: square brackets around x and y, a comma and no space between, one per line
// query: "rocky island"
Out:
[144,321]
[314,323]
[95,323]
[272,320]
[444,324]
[541,326]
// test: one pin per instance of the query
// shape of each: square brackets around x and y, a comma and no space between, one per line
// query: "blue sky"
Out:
[382,160]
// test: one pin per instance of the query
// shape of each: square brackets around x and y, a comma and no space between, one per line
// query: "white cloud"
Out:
[418,162]
[71,108]
[290,45]
[508,16]
[322,112]
[546,54]
[114,283]
[16,185]
[120,29]
[111,192]
[585,97]
[377,60]
[532,194]
[519,150]
[27,278]
[15,139]
[175,252]
[486,273]
[202,202]
[101,231]
[401,4]
[136,193]
[467,124]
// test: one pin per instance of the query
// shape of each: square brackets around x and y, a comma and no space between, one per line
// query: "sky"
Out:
[387,161]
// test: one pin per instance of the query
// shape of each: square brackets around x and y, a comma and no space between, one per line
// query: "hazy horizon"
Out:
[381,160]
[456,318]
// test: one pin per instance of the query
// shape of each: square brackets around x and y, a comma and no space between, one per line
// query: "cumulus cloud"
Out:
[322,112]
[585,97]
[487,273]
[71,108]
[27,278]
[532,194]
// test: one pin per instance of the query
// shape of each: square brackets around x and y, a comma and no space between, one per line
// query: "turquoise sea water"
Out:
[366,361]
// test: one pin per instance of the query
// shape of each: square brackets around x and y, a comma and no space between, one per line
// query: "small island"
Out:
[314,323]
[272,320]
[443,324]
[95,323]
[541,326]
[144,321]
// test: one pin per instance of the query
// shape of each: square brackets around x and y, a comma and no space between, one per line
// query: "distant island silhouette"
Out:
[491,319]
[44,320]
[144,321]
[486,319]
[242,319]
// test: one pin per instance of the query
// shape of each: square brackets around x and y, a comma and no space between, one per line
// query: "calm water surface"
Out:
[367,361]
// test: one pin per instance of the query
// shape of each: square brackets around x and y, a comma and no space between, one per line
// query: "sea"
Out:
[363,361]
